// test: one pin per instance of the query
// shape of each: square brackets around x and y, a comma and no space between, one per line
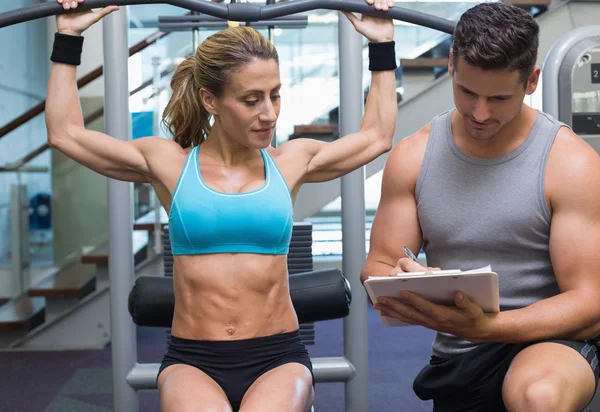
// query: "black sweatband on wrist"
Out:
[382,56]
[67,49]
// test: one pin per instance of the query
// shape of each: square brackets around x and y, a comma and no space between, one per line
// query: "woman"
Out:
[235,342]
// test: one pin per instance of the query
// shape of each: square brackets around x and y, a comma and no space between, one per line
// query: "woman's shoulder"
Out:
[295,148]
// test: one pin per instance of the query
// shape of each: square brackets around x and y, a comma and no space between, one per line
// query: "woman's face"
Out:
[250,105]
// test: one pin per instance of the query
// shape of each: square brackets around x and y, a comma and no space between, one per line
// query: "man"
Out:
[496,182]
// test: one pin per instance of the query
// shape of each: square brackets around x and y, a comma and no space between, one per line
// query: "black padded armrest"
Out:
[318,295]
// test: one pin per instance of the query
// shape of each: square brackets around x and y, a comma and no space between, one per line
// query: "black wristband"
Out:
[382,56]
[67,49]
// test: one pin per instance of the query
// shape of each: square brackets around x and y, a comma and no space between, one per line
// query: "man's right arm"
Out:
[396,222]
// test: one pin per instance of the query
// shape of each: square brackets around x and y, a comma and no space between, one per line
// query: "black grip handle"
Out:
[244,11]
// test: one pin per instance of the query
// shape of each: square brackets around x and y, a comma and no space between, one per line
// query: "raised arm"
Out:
[64,120]
[396,223]
[327,161]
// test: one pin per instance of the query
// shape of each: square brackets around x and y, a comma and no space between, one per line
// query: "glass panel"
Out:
[23,86]
[143,19]
[150,72]
[38,193]
[68,201]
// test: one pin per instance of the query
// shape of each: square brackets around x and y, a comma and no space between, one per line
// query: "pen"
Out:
[409,254]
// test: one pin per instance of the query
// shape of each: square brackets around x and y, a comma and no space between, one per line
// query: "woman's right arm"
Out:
[117,159]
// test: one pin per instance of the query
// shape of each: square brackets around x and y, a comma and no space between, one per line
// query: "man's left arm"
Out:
[573,188]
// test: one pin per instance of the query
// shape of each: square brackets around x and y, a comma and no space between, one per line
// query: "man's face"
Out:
[488,100]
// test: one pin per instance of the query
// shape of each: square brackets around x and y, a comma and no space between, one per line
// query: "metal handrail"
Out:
[18,166]
[88,78]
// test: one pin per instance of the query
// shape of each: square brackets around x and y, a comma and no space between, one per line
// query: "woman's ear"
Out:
[209,101]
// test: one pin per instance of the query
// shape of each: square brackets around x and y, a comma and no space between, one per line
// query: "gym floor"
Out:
[81,381]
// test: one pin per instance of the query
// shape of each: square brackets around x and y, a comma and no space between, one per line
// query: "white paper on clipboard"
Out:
[480,285]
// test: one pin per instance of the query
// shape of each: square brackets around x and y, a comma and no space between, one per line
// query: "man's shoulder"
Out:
[571,150]
[573,168]
[413,145]
[406,158]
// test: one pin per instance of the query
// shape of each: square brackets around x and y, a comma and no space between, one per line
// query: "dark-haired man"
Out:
[497,182]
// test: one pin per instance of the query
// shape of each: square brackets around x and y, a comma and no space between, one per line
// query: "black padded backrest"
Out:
[300,257]
[167,252]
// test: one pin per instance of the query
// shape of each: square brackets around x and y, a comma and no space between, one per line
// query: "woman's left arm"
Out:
[327,161]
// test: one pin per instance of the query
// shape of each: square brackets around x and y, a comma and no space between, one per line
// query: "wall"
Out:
[79,199]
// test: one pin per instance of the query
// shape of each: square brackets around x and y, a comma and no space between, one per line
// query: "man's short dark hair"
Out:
[497,36]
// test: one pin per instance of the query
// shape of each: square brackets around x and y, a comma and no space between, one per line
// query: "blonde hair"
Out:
[210,68]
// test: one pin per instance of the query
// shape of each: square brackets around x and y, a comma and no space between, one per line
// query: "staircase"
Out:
[69,307]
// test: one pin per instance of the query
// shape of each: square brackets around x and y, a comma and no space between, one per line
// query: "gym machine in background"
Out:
[571,82]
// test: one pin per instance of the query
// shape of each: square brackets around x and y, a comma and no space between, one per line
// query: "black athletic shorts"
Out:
[236,364]
[473,381]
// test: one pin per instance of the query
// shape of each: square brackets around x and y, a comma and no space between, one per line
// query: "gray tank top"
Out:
[474,212]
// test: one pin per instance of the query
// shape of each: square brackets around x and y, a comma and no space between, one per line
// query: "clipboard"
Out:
[480,285]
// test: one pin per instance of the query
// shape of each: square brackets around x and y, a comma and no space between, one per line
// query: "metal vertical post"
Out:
[195,36]
[271,29]
[271,36]
[156,90]
[120,219]
[19,277]
[156,132]
[353,218]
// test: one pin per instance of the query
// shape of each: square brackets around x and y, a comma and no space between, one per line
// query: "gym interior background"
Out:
[54,301]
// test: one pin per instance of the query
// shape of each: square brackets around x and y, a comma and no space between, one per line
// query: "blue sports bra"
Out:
[203,220]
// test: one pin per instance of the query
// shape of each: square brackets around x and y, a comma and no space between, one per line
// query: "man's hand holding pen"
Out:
[466,319]
[410,263]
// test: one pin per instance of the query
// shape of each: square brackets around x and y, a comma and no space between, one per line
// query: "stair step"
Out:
[76,281]
[96,257]
[316,129]
[99,256]
[424,62]
[24,313]
[146,222]
[149,227]
[323,132]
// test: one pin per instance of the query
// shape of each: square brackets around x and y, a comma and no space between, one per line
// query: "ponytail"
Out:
[185,116]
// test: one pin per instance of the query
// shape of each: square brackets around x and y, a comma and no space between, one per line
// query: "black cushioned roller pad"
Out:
[318,295]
